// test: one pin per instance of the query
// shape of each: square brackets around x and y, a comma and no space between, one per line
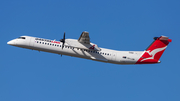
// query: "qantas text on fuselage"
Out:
[83,48]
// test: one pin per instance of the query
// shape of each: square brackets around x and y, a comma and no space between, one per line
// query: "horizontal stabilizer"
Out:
[163,38]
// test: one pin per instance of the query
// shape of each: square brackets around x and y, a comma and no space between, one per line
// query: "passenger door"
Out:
[113,57]
[31,42]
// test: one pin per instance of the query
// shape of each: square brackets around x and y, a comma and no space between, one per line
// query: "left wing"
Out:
[84,38]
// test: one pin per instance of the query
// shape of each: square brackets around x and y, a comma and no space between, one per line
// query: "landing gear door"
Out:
[113,57]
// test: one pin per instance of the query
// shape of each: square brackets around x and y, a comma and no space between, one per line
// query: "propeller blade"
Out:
[64,36]
[63,45]
[63,40]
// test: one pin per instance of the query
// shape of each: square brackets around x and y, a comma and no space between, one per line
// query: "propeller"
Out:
[63,40]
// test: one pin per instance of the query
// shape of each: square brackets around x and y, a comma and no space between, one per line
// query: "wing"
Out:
[84,38]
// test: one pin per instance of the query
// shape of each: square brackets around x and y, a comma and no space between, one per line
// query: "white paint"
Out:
[77,50]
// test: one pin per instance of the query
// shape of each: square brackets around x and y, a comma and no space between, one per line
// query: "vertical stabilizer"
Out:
[153,53]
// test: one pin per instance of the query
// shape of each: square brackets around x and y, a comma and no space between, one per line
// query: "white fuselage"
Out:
[103,55]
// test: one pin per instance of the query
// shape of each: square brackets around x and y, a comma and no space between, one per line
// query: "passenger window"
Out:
[40,42]
[47,43]
[57,45]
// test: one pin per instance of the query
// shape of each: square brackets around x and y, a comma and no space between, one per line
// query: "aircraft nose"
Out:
[11,42]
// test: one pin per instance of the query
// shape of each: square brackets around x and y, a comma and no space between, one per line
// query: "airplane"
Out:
[83,48]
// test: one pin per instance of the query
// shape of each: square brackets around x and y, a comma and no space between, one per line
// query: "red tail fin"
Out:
[153,53]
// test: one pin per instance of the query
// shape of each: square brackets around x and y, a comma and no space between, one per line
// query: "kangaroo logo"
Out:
[150,54]
[92,47]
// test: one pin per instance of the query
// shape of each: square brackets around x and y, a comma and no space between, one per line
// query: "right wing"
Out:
[83,42]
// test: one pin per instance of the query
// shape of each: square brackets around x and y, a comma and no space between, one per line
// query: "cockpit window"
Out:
[21,38]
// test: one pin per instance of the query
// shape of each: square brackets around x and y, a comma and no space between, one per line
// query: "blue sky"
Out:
[28,75]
